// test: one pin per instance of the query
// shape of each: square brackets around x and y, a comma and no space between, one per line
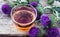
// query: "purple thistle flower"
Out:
[34,4]
[44,19]
[53,32]
[33,32]
[6,9]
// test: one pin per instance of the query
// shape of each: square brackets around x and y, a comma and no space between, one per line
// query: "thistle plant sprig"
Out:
[40,10]
[50,2]
[55,11]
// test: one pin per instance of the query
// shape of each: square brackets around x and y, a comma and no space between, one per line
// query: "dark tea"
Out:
[23,17]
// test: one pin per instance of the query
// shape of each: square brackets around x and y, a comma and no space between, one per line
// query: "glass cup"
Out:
[24,16]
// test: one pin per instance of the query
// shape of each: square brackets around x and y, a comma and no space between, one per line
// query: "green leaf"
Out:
[53,19]
[56,8]
[59,15]
[15,2]
[24,3]
[10,3]
[58,0]
[39,33]
[50,2]
[40,9]
[33,1]
[19,1]
[57,12]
